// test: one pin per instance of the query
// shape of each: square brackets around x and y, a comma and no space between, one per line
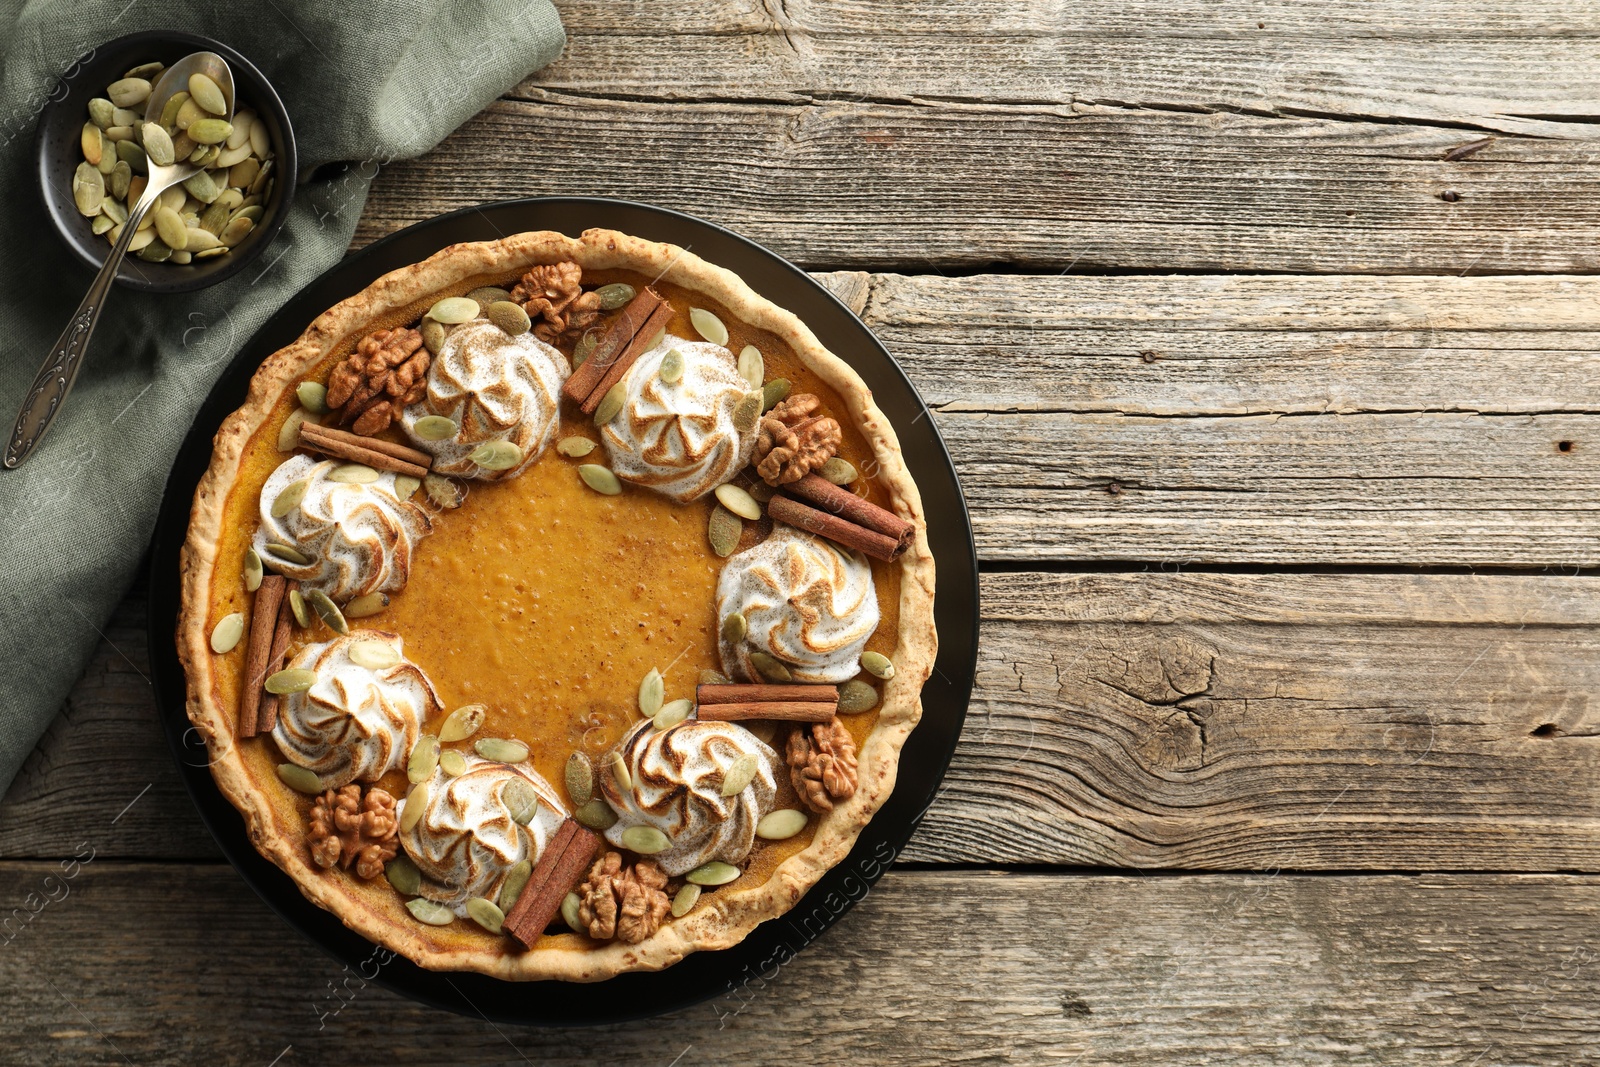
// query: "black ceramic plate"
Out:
[926,755]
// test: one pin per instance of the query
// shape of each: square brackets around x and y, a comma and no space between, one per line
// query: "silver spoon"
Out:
[49,391]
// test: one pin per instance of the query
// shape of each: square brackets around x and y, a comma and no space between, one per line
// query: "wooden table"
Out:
[1264,337]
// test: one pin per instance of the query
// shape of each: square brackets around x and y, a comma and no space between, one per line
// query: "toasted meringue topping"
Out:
[677,788]
[355,724]
[805,601]
[359,537]
[466,839]
[494,387]
[679,438]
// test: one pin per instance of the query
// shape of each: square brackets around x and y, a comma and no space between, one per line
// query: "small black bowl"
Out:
[59,151]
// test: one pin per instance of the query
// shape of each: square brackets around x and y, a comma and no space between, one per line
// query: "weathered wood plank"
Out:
[1462,63]
[1132,720]
[1247,970]
[863,183]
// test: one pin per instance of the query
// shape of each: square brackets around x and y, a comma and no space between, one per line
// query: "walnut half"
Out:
[347,828]
[387,371]
[552,295]
[822,764]
[627,902]
[794,440]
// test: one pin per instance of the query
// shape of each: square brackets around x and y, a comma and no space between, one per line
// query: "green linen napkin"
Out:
[364,83]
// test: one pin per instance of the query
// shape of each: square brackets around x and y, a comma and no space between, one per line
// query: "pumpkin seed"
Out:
[738,501]
[740,773]
[102,112]
[297,608]
[878,665]
[463,722]
[88,189]
[109,208]
[752,368]
[424,758]
[101,223]
[169,111]
[289,433]
[685,899]
[839,471]
[262,186]
[600,479]
[261,143]
[645,840]
[672,713]
[128,92]
[516,881]
[714,873]
[747,413]
[501,750]
[225,635]
[300,779]
[444,492]
[291,680]
[575,446]
[373,655]
[180,257]
[584,348]
[156,251]
[434,428]
[671,369]
[652,691]
[133,155]
[710,677]
[509,317]
[121,176]
[403,875]
[327,611]
[229,158]
[405,486]
[241,173]
[454,309]
[433,335]
[427,911]
[774,393]
[521,801]
[157,145]
[856,696]
[313,396]
[209,131]
[93,143]
[452,763]
[366,606]
[619,772]
[724,529]
[253,571]
[615,295]
[708,326]
[596,815]
[240,137]
[206,93]
[734,627]
[288,553]
[488,294]
[571,913]
[236,230]
[113,134]
[579,776]
[171,229]
[352,474]
[215,217]
[200,186]
[769,668]
[496,455]
[289,498]
[781,825]
[610,404]
[416,804]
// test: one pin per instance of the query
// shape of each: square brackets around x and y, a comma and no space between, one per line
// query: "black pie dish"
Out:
[58,152]
[923,761]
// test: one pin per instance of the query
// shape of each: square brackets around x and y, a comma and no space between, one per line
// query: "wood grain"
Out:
[1308,722]
[1250,970]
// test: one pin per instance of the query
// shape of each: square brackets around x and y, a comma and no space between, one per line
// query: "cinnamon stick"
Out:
[837,500]
[263,625]
[628,356]
[267,718]
[766,694]
[566,858]
[349,446]
[784,508]
[619,333]
[782,710]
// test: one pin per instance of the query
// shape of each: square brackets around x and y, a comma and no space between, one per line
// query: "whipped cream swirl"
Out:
[494,387]
[467,838]
[680,439]
[677,788]
[806,602]
[355,724]
[359,537]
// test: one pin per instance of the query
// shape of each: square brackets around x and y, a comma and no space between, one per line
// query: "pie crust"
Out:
[275,816]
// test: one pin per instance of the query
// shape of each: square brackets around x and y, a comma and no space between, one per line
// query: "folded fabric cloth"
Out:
[364,84]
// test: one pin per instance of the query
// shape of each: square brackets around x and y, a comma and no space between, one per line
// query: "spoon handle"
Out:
[54,381]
